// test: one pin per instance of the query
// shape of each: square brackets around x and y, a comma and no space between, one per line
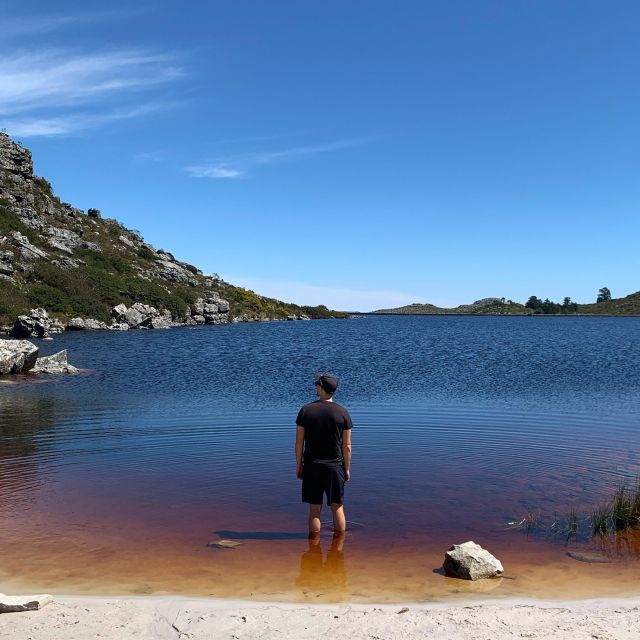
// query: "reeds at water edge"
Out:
[621,513]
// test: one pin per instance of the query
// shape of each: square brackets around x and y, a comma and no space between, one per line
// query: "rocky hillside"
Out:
[78,264]
[486,306]
[627,306]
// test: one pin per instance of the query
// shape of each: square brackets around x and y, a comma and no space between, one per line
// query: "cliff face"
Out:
[73,263]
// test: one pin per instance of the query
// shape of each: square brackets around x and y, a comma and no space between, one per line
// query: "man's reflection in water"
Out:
[320,578]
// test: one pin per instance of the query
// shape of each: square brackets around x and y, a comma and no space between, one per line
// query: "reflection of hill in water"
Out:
[21,420]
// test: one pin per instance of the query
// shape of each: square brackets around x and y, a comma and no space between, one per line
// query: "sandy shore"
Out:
[79,618]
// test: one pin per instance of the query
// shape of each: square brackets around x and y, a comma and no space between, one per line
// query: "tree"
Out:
[533,303]
[603,295]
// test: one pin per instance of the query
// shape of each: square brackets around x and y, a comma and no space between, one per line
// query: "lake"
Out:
[116,480]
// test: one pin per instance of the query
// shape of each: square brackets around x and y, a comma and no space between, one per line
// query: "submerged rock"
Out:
[224,544]
[470,561]
[590,557]
[17,356]
[16,604]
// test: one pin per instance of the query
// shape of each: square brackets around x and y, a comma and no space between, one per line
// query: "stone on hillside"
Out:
[471,562]
[223,306]
[161,322]
[133,318]
[63,239]
[17,356]
[6,262]
[16,604]
[168,270]
[27,250]
[56,244]
[198,307]
[198,319]
[118,311]
[56,363]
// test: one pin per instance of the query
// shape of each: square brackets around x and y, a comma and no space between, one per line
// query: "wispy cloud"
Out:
[58,92]
[240,165]
[30,25]
[54,78]
[74,123]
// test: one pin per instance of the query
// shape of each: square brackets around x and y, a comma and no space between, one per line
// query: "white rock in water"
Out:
[471,562]
[17,356]
[57,363]
[15,604]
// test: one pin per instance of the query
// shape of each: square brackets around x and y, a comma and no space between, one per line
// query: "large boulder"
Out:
[79,324]
[210,310]
[161,321]
[471,562]
[134,318]
[35,325]
[56,363]
[118,311]
[17,356]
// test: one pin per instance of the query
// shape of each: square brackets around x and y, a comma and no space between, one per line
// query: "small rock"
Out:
[471,562]
[15,604]
[403,610]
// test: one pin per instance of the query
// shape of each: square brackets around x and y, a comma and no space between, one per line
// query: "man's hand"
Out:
[299,471]
[347,475]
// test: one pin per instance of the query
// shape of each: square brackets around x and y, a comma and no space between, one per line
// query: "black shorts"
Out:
[319,479]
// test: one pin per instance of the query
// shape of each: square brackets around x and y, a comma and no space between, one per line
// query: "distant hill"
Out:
[627,306]
[73,263]
[486,306]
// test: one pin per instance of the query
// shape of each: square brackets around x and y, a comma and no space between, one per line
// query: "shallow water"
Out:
[115,480]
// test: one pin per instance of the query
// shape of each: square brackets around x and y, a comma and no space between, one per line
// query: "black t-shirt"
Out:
[323,424]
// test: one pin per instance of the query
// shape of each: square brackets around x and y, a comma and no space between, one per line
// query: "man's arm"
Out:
[299,448]
[346,452]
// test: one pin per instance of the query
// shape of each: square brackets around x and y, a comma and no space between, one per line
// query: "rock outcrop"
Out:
[471,562]
[17,356]
[54,251]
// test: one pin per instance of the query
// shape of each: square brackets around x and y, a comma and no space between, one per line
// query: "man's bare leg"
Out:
[339,519]
[314,519]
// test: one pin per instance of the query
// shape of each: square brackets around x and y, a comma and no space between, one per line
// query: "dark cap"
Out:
[327,381]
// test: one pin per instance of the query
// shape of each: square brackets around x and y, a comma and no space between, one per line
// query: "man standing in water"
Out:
[323,453]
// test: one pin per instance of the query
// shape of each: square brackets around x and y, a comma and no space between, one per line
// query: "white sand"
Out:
[80,618]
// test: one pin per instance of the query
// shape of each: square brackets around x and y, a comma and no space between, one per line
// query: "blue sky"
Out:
[359,154]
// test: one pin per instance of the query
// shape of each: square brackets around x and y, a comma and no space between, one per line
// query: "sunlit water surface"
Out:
[117,479]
